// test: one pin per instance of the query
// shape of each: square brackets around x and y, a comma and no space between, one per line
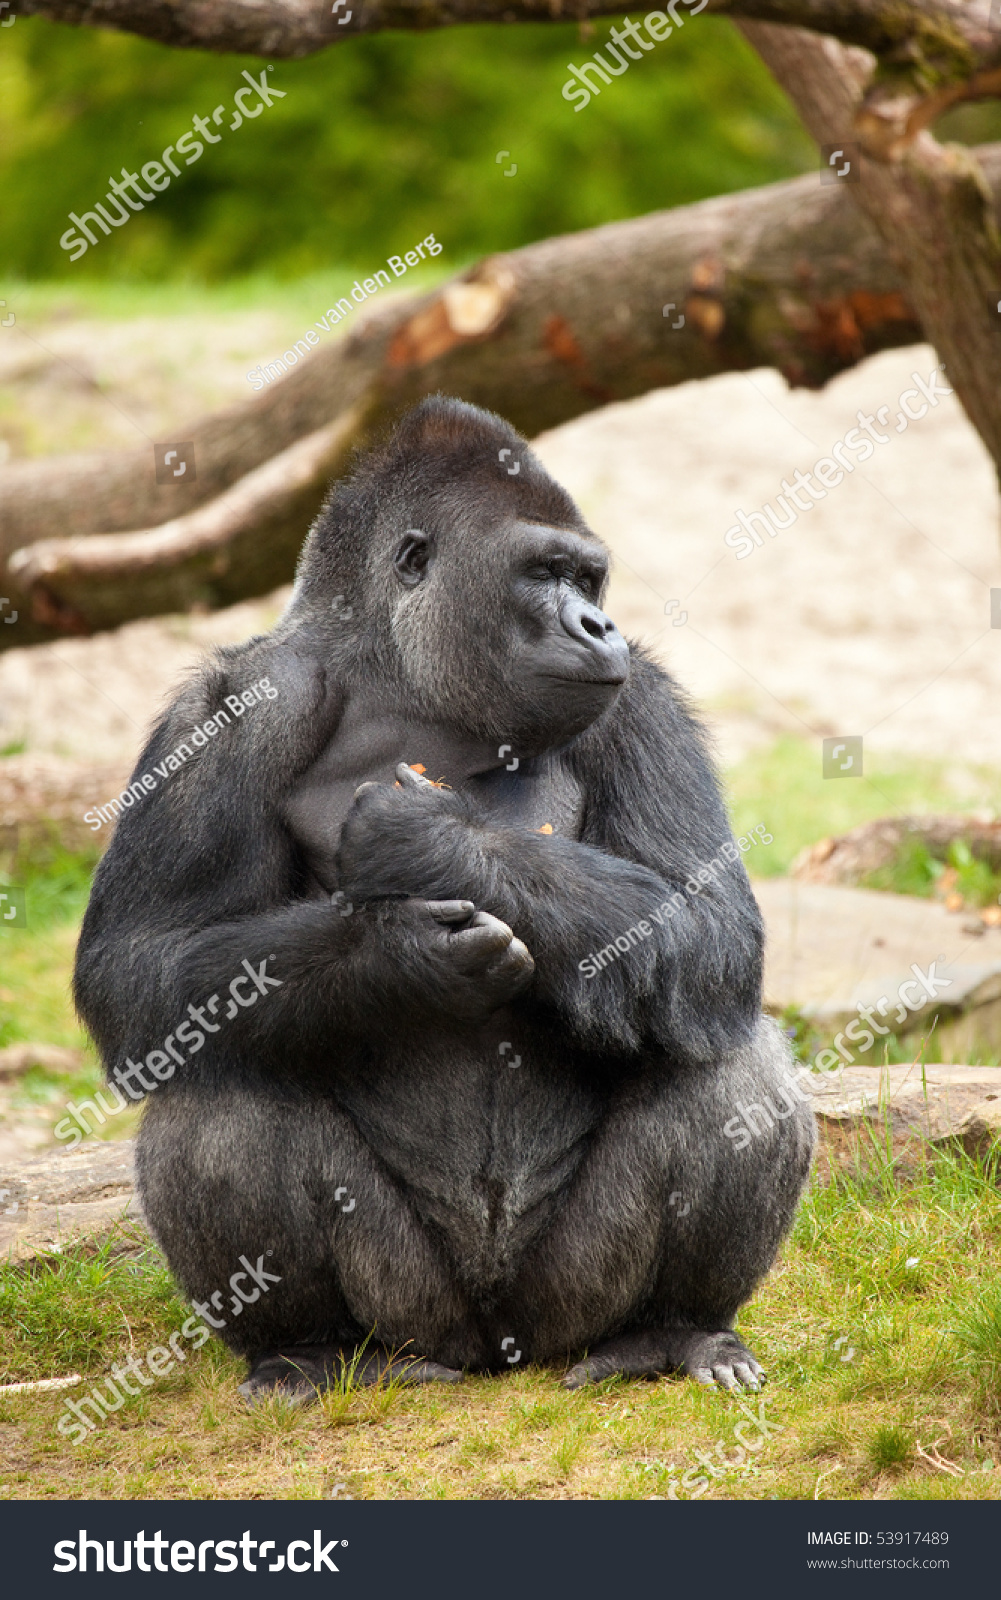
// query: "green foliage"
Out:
[912,871]
[801,1032]
[36,961]
[57,882]
[377,143]
[915,871]
[782,786]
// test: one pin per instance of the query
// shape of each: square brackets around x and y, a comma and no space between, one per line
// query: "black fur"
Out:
[493,1202]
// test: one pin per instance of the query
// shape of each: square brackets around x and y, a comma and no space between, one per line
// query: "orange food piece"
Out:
[417,766]
[547,827]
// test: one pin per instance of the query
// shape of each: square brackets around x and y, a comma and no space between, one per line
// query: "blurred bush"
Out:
[377,143]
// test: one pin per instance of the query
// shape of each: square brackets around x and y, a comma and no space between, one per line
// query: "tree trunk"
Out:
[932,206]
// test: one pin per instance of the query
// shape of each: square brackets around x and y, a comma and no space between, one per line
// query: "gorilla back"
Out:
[404,965]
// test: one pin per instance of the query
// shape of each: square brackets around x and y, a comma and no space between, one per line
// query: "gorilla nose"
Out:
[590,627]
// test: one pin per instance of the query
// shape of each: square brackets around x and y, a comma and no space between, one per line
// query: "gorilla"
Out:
[465,1103]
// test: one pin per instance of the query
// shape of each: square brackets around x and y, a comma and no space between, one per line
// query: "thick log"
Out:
[789,276]
[924,30]
[931,53]
[244,541]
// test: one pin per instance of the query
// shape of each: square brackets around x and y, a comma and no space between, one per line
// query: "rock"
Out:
[849,857]
[69,1194]
[980,1129]
[830,950]
[18,1058]
[933,1102]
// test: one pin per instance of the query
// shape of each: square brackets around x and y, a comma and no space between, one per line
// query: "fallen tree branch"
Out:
[931,53]
[250,535]
[957,30]
[789,276]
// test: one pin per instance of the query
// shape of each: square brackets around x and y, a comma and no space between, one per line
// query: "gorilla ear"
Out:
[413,556]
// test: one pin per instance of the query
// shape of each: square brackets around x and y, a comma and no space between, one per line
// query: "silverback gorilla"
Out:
[454,1121]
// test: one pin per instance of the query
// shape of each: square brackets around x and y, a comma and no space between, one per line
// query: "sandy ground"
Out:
[870,615]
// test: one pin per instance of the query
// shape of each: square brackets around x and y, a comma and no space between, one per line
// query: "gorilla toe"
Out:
[301,1373]
[709,1358]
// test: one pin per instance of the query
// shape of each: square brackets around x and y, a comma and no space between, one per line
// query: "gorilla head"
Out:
[473,582]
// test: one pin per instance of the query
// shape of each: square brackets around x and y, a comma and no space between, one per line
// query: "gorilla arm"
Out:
[653,818]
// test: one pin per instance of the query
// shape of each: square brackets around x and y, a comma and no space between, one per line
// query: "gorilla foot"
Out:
[709,1358]
[301,1373]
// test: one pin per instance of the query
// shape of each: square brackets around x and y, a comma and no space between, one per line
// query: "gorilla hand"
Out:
[410,838]
[465,961]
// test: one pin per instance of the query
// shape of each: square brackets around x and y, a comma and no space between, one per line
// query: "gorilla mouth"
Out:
[608,681]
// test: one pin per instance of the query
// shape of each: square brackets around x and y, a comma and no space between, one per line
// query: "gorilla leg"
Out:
[290,1179]
[669,1225]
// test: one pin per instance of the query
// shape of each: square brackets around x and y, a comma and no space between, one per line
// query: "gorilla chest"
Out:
[533,794]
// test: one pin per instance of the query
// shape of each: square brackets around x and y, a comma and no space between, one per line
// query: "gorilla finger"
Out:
[725,1378]
[409,779]
[450,910]
[364,789]
[704,1376]
[517,958]
[475,947]
[745,1375]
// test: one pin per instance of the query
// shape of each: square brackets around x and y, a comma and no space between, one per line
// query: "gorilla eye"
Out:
[411,559]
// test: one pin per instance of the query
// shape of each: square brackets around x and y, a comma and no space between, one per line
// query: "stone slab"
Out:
[65,1195]
[829,949]
[933,1102]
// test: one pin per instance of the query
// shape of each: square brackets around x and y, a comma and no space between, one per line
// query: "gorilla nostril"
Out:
[592,626]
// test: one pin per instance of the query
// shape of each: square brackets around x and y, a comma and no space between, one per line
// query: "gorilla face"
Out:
[524,601]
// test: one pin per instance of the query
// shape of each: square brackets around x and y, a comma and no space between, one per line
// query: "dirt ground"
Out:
[870,615]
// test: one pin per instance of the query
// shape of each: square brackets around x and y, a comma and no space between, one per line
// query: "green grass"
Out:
[81,1310]
[868,1358]
[36,967]
[782,787]
[261,291]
